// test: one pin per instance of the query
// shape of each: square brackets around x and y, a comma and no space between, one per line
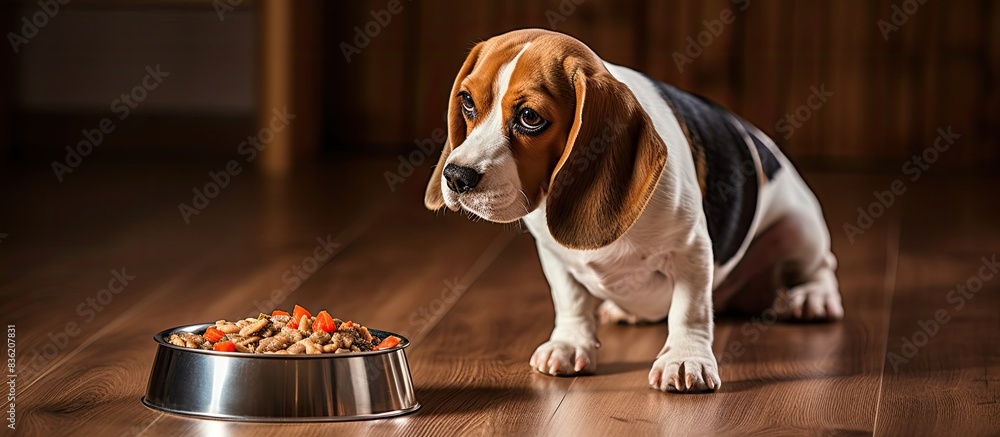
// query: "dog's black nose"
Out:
[461,179]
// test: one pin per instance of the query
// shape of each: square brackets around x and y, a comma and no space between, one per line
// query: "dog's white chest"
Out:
[627,276]
[639,282]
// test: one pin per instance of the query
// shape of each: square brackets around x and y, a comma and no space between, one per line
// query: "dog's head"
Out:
[535,118]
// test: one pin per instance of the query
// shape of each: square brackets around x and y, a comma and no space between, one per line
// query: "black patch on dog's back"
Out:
[728,172]
[768,162]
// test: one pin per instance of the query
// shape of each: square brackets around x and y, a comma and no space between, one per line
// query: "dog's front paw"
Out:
[685,371]
[556,357]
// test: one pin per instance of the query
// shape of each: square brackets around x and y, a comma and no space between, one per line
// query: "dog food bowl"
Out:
[279,388]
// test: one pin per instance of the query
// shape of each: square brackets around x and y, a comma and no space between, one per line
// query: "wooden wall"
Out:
[939,69]
[889,96]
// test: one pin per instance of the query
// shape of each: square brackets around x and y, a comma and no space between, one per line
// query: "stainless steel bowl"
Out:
[279,388]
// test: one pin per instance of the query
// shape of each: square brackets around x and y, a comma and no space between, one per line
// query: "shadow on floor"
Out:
[457,399]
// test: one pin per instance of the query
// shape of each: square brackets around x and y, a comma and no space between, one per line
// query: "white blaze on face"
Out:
[498,195]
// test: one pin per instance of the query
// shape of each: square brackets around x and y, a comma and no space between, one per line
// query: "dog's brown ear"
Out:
[610,166]
[433,198]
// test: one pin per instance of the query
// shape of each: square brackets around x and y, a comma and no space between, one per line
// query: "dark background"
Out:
[890,96]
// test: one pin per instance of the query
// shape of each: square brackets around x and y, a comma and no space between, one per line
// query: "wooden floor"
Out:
[396,267]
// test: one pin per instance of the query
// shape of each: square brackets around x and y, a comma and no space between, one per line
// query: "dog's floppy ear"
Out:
[610,166]
[433,198]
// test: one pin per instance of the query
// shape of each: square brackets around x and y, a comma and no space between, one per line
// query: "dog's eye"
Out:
[530,121]
[468,106]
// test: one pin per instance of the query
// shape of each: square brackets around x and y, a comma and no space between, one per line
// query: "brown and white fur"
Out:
[612,188]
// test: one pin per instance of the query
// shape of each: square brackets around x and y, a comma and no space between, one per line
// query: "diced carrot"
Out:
[389,343]
[298,312]
[346,325]
[324,323]
[277,313]
[225,346]
[213,335]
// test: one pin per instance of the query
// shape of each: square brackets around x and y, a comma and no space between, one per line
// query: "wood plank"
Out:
[381,62]
[9,13]
[759,85]
[308,76]
[881,81]
[960,60]
[659,58]
[716,65]
[942,374]
[806,70]
[276,81]
[682,14]
[474,364]
[441,58]
[991,28]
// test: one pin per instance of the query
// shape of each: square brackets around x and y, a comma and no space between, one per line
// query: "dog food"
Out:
[283,333]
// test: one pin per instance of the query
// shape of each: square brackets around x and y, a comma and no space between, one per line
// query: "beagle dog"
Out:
[646,202]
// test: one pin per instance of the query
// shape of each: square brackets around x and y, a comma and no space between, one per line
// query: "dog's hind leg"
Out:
[787,268]
[813,291]
[752,285]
